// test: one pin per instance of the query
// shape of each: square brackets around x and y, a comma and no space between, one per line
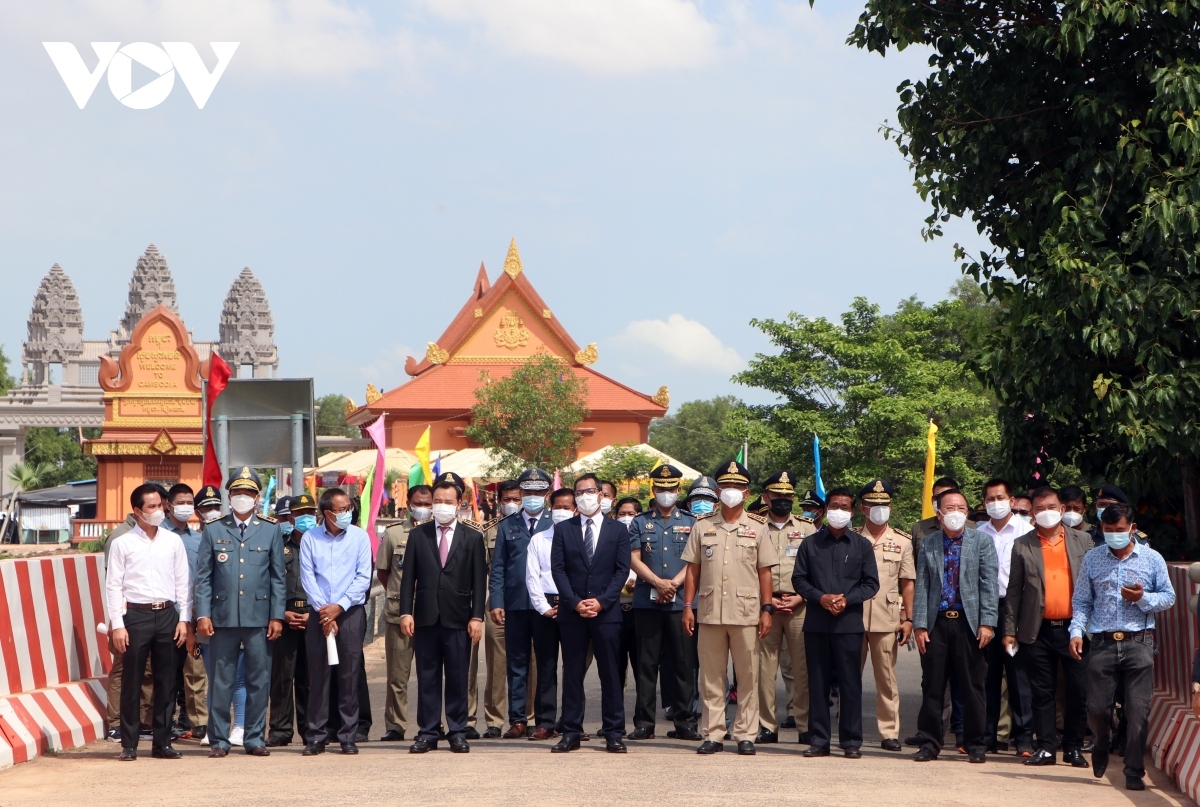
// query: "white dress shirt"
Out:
[538,578]
[597,520]
[146,570]
[1004,539]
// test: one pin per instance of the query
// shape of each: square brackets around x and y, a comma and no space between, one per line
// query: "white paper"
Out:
[1012,651]
[331,649]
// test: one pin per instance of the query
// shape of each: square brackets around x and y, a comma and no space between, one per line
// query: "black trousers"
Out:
[151,636]
[953,647]
[1125,671]
[289,685]
[352,628]
[1043,656]
[178,699]
[831,655]
[664,649]
[441,653]
[627,652]
[1020,698]
[605,638]
[545,647]
[518,640]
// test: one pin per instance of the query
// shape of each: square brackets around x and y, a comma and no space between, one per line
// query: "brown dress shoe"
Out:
[542,734]
[515,732]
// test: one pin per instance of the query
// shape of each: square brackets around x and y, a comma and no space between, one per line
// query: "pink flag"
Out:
[376,432]
[557,481]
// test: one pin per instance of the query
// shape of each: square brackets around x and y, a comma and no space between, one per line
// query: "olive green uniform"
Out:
[397,647]
[881,621]
[495,689]
[785,629]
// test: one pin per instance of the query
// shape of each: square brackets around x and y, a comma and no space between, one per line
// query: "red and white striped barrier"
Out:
[1173,738]
[52,659]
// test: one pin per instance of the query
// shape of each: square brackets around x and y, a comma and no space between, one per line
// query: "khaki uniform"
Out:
[881,621]
[785,628]
[728,605]
[397,647]
[495,688]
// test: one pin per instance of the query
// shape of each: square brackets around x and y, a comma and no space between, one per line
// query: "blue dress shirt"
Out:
[335,569]
[1097,603]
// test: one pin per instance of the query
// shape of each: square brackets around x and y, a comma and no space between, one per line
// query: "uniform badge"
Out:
[746,532]
[647,548]
[708,551]
[792,535]
[222,557]
[287,551]
[683,530]
[649,527]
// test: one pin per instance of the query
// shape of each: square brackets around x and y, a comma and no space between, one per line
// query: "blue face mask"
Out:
[343,520]
[287,527]
[533,504]
[1099,513]
[809,514]
[1117,540]
[305,523]
[701,507]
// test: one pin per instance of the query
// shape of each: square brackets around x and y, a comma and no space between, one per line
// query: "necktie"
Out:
[242,527]
[589,542]
[532,524]
[444,545]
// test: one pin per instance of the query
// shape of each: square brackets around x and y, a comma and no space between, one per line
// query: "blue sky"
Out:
[670,169]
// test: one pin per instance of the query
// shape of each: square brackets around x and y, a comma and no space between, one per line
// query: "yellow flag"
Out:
[422,453]
[657,463]
[930,470]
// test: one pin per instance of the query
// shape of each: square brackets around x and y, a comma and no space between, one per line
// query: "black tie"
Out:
[587,542]
[532,524]
[242,527]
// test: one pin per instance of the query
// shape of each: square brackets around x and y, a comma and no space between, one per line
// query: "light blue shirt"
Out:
[335,569]
[1097,603]
[191,542]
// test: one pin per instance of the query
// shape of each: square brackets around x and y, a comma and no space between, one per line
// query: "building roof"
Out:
[589,461]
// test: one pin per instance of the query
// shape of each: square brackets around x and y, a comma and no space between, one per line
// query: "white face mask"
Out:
[1072,519]
[954,521]
[508,508]
[626,520]
[606,505]
[880,514]
[732,497]
[420,513]
[183,512]
[838,518]
[242,504]
[154,519]
[666,498]
[558,516]
[444,513]
[1048,519]
[588,503]
[212,515]
[998,509]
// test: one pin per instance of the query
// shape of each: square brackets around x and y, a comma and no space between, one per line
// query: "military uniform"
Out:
[398,648]
[289,658]
[881,614]
[240,586]
[728,604]
[495,689]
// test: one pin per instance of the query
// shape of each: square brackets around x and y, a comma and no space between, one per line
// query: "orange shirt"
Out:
[1058,577]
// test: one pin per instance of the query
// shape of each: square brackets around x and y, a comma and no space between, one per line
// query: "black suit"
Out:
[442,601]
[602,579]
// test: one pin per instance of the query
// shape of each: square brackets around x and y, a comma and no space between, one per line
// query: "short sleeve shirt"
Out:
[390,558]
[786,541]
[894,560]
[729,556]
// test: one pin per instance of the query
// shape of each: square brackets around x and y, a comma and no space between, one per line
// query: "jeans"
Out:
[1110,661]
[239,685]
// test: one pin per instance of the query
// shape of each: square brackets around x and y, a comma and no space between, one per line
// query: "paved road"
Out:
[524,773]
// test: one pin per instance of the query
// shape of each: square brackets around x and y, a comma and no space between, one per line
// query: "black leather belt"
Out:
[150,606]
[552,599]
[297,605]
[1124,635]
[953,613]
[626,606]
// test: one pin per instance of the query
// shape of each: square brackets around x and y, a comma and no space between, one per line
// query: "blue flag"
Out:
[266,499]
[819,485]
[437,469]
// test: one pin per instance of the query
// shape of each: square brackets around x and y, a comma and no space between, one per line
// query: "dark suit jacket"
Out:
[602,580]
[507,577]
[450,597]
[1025,597]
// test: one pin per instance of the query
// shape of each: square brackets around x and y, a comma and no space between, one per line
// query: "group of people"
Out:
[1026,596]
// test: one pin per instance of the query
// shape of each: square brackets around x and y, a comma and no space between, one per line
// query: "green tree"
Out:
[531,417]
[868,386]
[1070,134]
[701,434]
[7,382]
[26,476]
[60,452]
[622,463]
[331,419]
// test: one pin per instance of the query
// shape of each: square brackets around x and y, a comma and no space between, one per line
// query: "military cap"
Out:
[534,479]
[811,499]
[455,479]
[666,476]
[245,478]
[208,496]
[782,483]
[283,506]
[304,502]
[1112,492]
[733,472]
[876,492]
[705,487]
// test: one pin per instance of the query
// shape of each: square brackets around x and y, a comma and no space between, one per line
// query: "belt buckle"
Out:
[158,606]
[1057,623]
[952,614]
[1118,635]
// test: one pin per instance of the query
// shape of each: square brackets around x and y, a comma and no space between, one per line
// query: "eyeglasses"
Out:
[585,491]
[1020,512]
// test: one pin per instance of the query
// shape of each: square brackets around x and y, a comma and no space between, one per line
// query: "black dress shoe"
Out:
[926,754]
[709,747]
[805,738]
[565,744]
[685,734]
[493,733]
[460,746]
[1075,759]
[1099,762]
[642,733]
[765,736]
[1134,783]
[258,751]
[1042,757]
[1088,745]
[393,736]
[746,748]
[977,756]
[312,749]
[166,752]
[852,753]
[614,745]
[128,755]
[816,751]
[471,734]
[789,723]
[362,737]
[276,742]
[422,746]
[914,741]
[890,745]
[218,753]
[349,748]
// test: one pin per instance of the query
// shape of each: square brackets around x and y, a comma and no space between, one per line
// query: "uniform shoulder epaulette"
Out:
[269,519]
[475,525]
[902,533]
[759,518]
[422,521]
[491,522]
[808,520]
[703,516]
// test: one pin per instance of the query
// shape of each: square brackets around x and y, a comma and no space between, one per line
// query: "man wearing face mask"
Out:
[729,561]
[887,617]
[1075,505]
[928,526]
[954,619]
[1037,614]
[289,658]
[1122,585]
[192,683]
[495,701]
[657,539]
[702,497]
[508,596]
[785,531]
[399,647]
[1107,496]
[608,498]
[240,592]
[835,573]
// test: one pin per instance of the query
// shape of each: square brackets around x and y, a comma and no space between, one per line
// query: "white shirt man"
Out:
[147,570]
[538,578]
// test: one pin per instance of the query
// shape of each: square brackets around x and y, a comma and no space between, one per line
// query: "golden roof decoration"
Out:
[434,354]
[512,261]
[478,313]
[163,444]
[349,408]
[546,314]
[588,355]
[511,332]
[373,394]
[662,397]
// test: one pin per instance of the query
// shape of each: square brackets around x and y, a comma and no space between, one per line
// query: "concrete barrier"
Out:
[1174,734]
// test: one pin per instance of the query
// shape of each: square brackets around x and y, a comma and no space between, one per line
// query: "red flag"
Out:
[218,377]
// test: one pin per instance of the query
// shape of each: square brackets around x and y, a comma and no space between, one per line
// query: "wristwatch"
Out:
[906,619]
[769,609]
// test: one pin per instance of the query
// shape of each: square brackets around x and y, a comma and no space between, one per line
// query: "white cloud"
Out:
[386,369]
[684,341]
[603,37]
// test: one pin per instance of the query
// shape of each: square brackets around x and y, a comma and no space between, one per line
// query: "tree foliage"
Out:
[7,382]
[25,476]
[1070,134]
[701,434]
[59,456]
[868,386]
[531,417]
[331,417]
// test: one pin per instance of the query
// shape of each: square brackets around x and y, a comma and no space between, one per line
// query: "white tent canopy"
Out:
[590,460]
